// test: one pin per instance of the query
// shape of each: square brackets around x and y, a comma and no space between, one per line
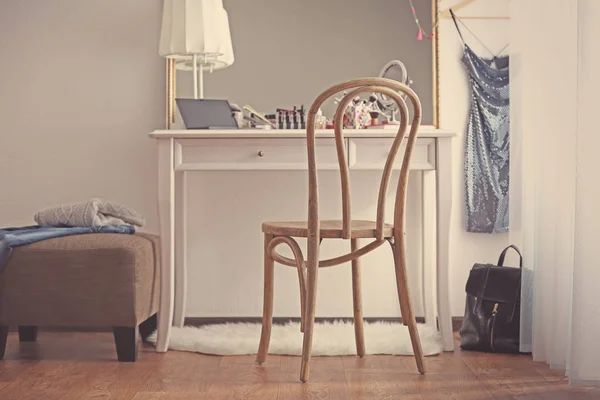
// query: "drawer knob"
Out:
[261,153]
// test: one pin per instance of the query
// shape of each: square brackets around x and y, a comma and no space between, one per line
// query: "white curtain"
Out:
[555,180]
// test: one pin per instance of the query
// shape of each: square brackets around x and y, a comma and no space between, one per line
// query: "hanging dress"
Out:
[487,142]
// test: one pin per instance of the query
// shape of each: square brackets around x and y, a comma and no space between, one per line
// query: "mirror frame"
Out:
[435,61]
[171,75]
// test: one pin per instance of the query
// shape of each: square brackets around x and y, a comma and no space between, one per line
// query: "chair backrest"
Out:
[388,88]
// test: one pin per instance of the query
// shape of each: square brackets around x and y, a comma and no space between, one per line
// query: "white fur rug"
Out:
[329,339]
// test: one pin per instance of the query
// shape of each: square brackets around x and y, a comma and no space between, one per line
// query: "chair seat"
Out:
[331,229]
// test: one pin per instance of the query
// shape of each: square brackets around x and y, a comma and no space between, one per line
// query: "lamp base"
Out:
[188,65]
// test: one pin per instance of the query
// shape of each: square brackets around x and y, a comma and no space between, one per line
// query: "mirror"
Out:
[287,52]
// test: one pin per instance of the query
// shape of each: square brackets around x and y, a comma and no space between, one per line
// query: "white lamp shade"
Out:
[196,27]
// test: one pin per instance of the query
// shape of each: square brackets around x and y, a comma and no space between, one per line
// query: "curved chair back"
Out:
[389,88]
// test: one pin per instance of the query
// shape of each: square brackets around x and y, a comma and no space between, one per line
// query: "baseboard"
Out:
[457,323]
[200,321]
[68,329]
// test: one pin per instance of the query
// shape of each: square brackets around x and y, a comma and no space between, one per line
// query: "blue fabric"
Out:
[13,237]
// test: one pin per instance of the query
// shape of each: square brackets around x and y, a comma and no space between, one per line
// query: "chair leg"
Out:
[3,338]
[359,332]
[403,311]
[28,333]
[312,268]
[406,304]
[302,279]
[267,322]
[126,343]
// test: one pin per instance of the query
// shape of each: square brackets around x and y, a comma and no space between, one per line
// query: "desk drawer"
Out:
[371,153]
[251,154]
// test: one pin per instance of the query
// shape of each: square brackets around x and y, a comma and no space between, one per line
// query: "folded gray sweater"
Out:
[94,212]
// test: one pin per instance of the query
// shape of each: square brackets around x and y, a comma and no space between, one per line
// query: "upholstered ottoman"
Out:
[93,281]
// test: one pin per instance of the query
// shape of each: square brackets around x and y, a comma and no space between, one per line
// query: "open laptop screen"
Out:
[206,114]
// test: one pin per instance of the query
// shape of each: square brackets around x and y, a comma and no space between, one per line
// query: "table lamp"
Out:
[194,37]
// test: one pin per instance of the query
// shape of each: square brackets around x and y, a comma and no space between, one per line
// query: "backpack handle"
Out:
[503,254]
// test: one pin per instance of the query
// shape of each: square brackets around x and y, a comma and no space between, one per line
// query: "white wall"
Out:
[226,266]
[467,248]
[81,84]
[81,87]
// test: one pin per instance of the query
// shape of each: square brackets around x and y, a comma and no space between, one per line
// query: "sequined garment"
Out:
[487,144]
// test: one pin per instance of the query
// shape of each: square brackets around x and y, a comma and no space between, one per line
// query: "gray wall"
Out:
[81,86]
[288,51]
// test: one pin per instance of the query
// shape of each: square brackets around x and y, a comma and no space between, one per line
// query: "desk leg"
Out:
[444,207]
[166,213]
[428,245]
[180,249]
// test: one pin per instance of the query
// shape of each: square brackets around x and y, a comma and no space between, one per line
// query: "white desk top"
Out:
[425,131]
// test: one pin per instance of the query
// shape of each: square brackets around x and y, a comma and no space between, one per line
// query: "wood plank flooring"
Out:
[83,366]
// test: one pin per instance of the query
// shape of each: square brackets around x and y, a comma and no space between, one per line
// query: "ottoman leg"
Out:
[126,343]
[3,337]
[28,333]
[147,327]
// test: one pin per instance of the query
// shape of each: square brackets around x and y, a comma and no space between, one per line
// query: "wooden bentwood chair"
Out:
[276,233]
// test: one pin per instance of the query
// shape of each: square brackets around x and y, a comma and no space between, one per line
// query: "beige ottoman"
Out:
[92,281]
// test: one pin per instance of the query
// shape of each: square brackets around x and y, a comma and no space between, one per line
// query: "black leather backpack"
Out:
[492,313]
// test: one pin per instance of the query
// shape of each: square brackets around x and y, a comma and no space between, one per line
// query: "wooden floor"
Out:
[83,366]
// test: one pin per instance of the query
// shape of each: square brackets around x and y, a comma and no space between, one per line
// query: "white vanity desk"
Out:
[180,151]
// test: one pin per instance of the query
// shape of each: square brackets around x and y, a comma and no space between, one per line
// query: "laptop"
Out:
[206,114]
